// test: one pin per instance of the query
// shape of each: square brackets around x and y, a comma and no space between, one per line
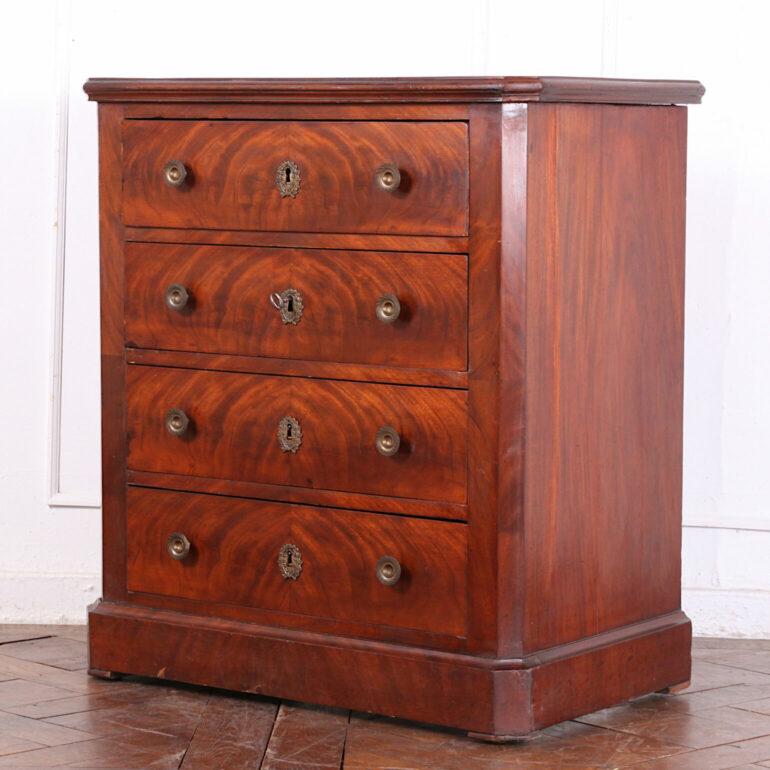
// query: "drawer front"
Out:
[298,176]
[235,546]
[238,429]
[351,307]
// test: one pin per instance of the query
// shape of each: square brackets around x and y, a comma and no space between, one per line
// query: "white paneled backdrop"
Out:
[49,379]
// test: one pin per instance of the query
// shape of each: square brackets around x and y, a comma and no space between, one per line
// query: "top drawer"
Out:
[301,176]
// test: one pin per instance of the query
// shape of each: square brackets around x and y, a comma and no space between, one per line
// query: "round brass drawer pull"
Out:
[175,173]
[388,308]
[388,441]
[177,297]
[178,546]
[388,570]
[177,422]
[388,177]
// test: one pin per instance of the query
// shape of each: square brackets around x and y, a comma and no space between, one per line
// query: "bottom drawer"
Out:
[315,561]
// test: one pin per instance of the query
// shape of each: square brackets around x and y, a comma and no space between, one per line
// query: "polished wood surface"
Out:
[539,402]
[229,308]
[235,548]
[434,509]
[353,242]
[232,176]
[293,367]
[113,365]
[605,339]
[234,422]
[378,90]
[54,716]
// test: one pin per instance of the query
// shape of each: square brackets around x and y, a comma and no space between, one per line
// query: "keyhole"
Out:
[288,435]
[290,304]
[287,172]
[288,559]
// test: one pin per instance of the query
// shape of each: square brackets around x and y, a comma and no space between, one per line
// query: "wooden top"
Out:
[363,90]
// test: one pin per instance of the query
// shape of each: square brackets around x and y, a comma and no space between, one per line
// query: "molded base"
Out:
[493,699]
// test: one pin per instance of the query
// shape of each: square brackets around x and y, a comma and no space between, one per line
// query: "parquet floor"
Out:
[53,715]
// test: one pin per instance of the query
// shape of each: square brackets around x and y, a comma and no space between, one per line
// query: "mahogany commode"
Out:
[392,392]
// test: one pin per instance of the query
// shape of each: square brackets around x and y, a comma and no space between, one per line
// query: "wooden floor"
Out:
[53,715]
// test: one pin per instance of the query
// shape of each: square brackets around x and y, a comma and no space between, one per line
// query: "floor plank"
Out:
[306,738]
[53,651]
[232,732]
[53,715]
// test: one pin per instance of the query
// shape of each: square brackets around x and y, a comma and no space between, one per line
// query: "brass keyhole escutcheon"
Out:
[287,177]
[289,434]
[290,561]
[289,304]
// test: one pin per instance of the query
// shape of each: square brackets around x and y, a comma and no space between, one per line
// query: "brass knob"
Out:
[178,546]
[388,441]
[177,297]
[177,422]
[388,308]
[388,177]
[388,570]
[175,173]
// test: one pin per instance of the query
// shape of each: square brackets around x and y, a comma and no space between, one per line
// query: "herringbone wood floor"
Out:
[53,715]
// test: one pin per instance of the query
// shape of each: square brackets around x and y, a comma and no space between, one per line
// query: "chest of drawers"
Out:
[392,392]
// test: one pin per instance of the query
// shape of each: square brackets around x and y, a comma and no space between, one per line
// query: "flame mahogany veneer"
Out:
[515,560]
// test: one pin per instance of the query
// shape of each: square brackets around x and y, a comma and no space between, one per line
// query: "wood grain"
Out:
[229,310]
[234,423]
[480,694]
[232,167]
[307,738]
[113,366]
[230,729]
[413,243]
[538,398]
[604,347]
[434,509]
[399,90]
[292,367]
[235,548]
[232,732]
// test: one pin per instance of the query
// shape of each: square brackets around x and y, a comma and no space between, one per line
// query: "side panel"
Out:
[604,348]
[113,361]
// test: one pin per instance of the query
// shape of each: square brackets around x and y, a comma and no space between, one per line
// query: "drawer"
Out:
[352,307]
[300,176]
[237,555]
[320,434]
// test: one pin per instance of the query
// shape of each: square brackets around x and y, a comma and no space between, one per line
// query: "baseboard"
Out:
[728,612]
[28,597]
[494,697]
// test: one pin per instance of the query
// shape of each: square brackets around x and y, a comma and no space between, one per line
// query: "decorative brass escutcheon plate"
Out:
[287,177]
[290,561]
[289,434]
[289,304]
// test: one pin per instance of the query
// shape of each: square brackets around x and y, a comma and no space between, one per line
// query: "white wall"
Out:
[49,389]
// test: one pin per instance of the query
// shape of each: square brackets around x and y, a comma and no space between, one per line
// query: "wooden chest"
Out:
[392,392]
